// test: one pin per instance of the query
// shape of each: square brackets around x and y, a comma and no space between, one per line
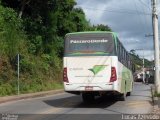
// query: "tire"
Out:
[123,97]
[88,97]
[129,94]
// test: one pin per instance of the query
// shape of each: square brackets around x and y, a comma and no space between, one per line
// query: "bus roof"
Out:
[92,32]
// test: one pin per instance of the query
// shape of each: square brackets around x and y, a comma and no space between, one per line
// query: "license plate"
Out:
[89,88]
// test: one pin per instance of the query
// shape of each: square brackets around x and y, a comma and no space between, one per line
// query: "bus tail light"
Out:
[65,77]
[113,74]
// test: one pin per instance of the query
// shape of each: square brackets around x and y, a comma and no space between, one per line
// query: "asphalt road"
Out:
[67,106]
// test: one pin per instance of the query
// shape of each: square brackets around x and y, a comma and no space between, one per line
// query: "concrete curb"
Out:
[30,95]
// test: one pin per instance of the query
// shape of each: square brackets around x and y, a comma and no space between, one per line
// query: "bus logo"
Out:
[97,68]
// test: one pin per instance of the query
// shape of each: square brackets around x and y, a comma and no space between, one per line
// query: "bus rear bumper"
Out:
[89,87]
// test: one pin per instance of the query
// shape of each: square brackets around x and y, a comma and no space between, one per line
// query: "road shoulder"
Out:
[156,102]
[30,95]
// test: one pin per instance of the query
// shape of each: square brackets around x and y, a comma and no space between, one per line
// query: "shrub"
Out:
[6,89]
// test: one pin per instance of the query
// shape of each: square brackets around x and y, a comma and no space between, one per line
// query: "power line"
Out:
[149,4]
[120,9]
[144,4]
[116,11]
[145,17]
[141,22]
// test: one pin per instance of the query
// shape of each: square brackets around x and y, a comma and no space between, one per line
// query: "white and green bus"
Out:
[96,63]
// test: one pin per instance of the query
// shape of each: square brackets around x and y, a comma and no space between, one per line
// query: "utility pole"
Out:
[18,74]
[143,68]
[142,63]
[156,44]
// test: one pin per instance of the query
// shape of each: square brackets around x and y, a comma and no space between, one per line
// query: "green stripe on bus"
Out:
[90,32]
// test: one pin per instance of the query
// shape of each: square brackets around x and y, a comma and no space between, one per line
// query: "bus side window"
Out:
[128,61]
[119,51]
[124,56]
[131,66]
[119,48]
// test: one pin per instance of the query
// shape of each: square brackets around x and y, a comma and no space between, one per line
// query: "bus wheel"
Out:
[128,93]
[123,97]
[88,97]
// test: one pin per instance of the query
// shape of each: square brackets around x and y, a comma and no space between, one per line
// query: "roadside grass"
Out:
[156,94]
[36,75]
[7,89]
[40,87]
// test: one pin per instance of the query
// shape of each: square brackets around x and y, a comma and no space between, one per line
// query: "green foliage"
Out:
[156,94]
[79,20]
[6,89]
[35,29]
[26,66]
[36,87]
[100,27]
[10,34]
[35,45]
[136,60]
[139,61]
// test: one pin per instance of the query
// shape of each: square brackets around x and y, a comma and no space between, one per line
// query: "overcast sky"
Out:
[131,19]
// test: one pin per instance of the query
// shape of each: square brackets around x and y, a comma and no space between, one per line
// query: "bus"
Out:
[96,63]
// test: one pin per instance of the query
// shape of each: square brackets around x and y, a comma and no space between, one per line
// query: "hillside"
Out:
[36,30]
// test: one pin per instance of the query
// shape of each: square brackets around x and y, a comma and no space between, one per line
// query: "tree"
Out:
[37,28]
[100,27]
[11,32]
[132,51]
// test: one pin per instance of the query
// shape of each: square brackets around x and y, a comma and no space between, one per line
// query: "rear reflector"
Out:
[113,74]
[65,77]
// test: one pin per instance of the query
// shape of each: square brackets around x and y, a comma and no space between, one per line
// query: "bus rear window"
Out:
[89,43]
